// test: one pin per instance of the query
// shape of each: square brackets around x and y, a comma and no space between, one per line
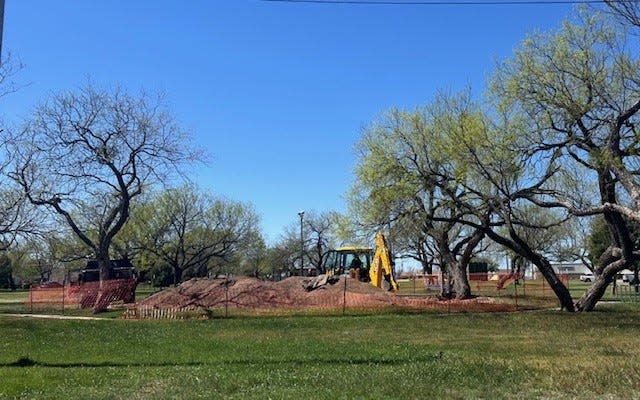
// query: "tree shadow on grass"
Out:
[28,362]
[24,362]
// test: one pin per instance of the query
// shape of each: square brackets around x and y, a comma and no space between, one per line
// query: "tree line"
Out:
[549,149]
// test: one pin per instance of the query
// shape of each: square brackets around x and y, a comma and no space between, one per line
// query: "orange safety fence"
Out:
[84,295]
[204,297]
[249,296]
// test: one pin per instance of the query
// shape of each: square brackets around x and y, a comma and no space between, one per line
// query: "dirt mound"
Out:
[243,292]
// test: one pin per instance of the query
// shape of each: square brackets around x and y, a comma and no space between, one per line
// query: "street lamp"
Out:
[301,214]
[1,25]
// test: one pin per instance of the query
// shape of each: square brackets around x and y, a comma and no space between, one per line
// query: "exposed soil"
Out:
[250,293]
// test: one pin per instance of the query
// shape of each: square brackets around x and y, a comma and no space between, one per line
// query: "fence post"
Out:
[344,296]
[64,281]
[226,295]
[515,288]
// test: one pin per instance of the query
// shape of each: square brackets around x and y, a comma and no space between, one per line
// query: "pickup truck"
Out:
[587,277]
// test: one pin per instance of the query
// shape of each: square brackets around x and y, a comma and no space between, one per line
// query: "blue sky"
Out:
[277,93]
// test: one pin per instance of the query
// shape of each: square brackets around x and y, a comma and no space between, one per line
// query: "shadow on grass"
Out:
[28,362]
[24,362]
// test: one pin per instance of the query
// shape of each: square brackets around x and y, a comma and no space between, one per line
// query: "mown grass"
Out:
[410,356]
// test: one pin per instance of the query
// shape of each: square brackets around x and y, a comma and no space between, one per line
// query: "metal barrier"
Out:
[628,293]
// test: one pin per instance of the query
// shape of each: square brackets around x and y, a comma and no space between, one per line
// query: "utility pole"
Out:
[1,26]
[301,214]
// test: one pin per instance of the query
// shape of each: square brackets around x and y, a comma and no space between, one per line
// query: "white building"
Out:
[571,268]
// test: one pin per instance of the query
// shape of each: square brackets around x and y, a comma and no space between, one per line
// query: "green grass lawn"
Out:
[527,355]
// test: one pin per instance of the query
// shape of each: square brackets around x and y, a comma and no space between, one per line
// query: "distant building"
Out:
[573,269]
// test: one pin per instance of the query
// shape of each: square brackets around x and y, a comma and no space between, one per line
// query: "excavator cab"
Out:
[349,260]
[364,263]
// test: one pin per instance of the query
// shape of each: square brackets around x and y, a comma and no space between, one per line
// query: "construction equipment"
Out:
[83,288]
[120,284]
[381,272]
[364,264]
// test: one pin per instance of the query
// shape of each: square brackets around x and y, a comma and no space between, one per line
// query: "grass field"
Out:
[527,355]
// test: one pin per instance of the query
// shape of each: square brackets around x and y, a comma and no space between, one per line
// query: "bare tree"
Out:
[318,237]
[9,68]
[320,234]
[627,10]
[84,155]
[17,217]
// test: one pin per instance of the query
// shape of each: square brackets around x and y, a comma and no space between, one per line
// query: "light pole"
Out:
[301,214]
[1,25]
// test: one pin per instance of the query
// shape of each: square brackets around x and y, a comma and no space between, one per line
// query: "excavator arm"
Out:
[381,269]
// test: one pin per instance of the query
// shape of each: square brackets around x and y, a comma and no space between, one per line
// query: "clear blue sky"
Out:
[277,93]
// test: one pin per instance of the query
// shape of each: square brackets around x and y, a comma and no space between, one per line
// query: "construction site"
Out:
[250,295]
[353,278]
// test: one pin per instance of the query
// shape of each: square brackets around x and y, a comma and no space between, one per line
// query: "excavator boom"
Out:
[381,270]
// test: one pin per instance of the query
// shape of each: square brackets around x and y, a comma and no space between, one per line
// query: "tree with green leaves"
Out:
[254,260]
[406,174]
[576,89]
[282,257]
[194,232]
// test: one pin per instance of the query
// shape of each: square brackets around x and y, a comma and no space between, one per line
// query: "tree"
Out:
[599,239]
[16,217]
[628,11]
[577,88]
[189,230]
[84,156]
[319,233]
[281,258]
[254,261]
[9,68]
[33,259]
[495,180]
[409,242]
[6,273]
[405,174]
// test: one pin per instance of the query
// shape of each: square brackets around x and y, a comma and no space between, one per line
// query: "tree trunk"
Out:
[460,281]
[457,273]
[594,293]
[177,275]
[559,289]
[102,257]
[544,266]
[427,267]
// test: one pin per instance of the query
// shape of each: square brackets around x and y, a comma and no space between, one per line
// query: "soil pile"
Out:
[244,292]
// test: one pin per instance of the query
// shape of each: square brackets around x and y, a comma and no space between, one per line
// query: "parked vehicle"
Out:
[587,277]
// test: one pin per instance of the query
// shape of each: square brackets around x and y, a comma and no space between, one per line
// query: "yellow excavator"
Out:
[364,263]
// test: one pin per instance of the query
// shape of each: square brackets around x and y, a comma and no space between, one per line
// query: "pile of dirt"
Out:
[250,293]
